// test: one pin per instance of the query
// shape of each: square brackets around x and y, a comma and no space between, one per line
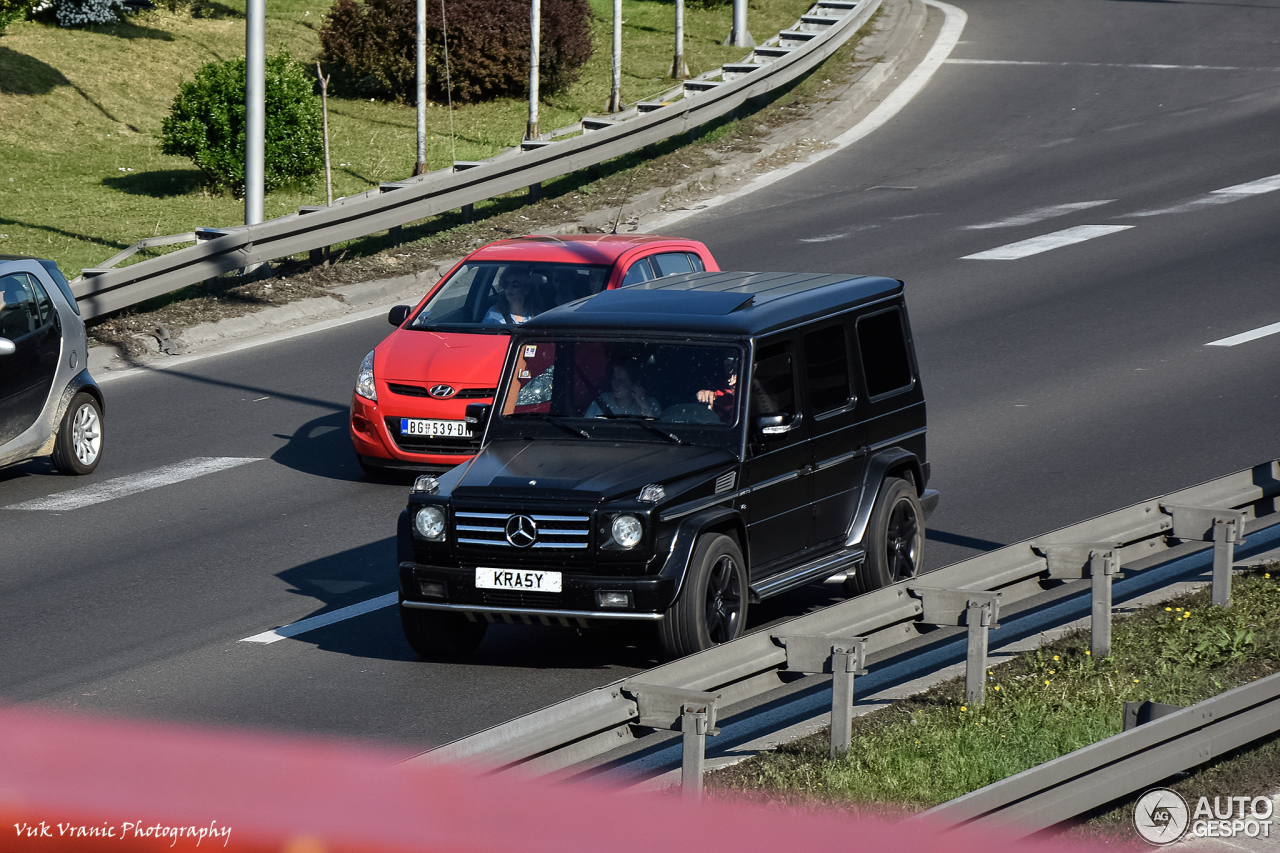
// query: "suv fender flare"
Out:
[878,467]
[722,519]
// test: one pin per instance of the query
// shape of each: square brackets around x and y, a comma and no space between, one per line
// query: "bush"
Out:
[81,13]
[14,10]
[206,123]
[373,44]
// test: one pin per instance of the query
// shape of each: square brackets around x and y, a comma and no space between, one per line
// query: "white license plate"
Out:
[420,426]
[520,580]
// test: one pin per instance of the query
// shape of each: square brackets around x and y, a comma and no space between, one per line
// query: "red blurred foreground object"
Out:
[73,783]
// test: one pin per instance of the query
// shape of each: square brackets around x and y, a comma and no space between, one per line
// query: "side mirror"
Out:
[478,415]
[7,347]
[397,315]
[772,426]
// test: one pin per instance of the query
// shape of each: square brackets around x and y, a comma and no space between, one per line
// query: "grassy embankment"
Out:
[82,176]
[933,747]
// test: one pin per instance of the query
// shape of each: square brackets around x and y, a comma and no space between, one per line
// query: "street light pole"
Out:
[255,111]
[535,27]
[420,167]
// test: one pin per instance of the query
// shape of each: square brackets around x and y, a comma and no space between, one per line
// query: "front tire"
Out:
[78,446]
[712,607]
[441,636]
[895,539]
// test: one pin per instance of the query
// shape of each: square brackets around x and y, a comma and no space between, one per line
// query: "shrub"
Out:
[14,10]
[81,13]
[373,43]
[206,123]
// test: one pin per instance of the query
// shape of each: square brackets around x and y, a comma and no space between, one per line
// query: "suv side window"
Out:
[882,343]
[826,358]
[772,382]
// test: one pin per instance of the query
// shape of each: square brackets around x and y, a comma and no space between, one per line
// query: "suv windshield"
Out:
[491,295]
[590,383]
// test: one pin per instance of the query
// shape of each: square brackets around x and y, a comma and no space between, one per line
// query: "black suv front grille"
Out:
[558,531]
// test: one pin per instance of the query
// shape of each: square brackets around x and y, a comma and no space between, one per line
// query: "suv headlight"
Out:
[627,531]
[364,382]
[429,523]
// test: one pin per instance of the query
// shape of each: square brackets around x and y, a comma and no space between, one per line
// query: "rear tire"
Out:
[441,636]
[895,539]
[78,446]
[712,607]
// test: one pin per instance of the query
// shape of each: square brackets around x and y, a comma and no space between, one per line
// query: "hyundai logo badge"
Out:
[441,391]
[522,531]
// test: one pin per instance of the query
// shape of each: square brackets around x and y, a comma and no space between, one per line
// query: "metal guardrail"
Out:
[1095,775]
[819,32]
[604,719]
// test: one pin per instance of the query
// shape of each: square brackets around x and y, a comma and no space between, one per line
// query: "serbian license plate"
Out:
[519,580]
[420,426]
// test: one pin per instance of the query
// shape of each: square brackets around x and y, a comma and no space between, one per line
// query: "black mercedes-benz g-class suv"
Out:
[673,451]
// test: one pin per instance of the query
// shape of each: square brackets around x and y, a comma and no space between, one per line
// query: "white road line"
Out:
[119,487]
[1040,214]
[1226,195]
[1245,337]
[313,622]
[952,25]
[1045,242]
[1138,65]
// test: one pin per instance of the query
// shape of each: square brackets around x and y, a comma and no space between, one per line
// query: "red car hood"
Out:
[456,359]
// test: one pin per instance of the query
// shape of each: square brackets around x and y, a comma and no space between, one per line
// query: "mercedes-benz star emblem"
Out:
[441,391]
[522,531]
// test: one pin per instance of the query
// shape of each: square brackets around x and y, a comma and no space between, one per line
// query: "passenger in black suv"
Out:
[781,441]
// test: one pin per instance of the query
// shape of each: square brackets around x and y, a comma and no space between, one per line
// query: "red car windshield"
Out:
[493,295]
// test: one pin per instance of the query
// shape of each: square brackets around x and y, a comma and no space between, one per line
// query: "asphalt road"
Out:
[1061,385]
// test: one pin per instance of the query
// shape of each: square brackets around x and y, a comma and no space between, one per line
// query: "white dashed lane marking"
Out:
[132,484]
[1245,337]
[313,622]
[1040,214]
[1226,195]
[1046,242]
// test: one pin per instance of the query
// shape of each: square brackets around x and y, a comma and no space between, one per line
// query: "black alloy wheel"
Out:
[894,539]
[712,606]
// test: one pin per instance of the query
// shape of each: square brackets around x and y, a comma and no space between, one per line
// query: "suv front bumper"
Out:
[576,605]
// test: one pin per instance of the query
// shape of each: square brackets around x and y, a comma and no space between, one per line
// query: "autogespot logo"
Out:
[1161,816]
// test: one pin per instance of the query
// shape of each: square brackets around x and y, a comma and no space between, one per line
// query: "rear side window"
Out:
[640,271]
[882,343]
[671,263]
[60,280]
[826,358]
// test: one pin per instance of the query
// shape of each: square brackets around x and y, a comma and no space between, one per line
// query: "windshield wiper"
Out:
[543,416]
[643,420]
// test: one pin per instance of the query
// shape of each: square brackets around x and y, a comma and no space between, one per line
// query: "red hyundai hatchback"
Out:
[408,408]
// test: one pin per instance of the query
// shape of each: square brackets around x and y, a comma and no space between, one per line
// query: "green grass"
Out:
[82,177]
[932,748]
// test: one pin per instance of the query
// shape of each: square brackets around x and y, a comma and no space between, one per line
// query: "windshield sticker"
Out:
[524,374]
[531,350]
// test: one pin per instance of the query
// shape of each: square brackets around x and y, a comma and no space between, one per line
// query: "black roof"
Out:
[734,303]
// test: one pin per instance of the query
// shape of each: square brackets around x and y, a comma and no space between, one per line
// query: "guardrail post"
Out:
[1104,566]
[690,712]
[1224,528]
[1225,534]
[980,611]
[844,658]
[693,723]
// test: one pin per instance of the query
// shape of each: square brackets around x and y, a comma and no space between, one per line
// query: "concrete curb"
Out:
[897,31]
